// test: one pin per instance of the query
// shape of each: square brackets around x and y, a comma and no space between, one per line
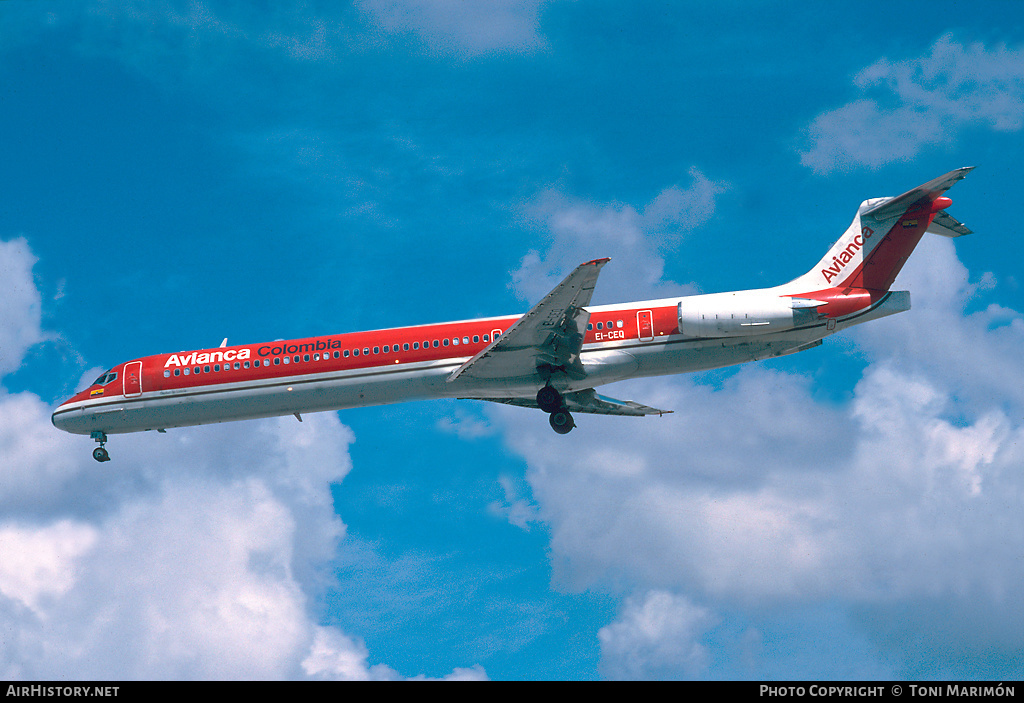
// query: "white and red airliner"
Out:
[551,358]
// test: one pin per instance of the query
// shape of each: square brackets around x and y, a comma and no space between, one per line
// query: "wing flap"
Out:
[587,401]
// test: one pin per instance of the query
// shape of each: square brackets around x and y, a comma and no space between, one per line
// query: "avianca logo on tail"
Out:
[840,261]
[207,357]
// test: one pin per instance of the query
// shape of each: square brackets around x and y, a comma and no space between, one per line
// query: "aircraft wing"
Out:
[587,401]
[551,333]
[927,192]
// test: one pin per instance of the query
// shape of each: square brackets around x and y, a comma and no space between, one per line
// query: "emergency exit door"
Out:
[132,378]
[645,325]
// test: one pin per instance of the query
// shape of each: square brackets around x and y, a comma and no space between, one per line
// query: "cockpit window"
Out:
[105,378]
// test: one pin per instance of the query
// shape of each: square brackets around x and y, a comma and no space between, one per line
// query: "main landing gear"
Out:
[99,453]
[550,401]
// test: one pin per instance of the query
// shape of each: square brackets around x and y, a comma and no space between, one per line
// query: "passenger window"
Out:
[195,369]
[487,337]
[387,348]
[618,323]
[167,373]
[246,364]
[305,357]
[405,347]
[366,351]
[435,343]
[187,372]
[476,339]
[316,357]
[446,342]
[590,326]
[415,345]
[376,350]
[355,352]
[177,372]
[287,360]
[465,340]
[277,362]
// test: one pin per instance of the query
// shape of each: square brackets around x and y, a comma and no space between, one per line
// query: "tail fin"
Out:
[884,233]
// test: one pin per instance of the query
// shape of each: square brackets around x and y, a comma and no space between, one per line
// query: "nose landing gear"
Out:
[99,453]
[550,401]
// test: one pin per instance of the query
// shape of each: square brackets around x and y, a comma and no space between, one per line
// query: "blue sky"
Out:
[178,172]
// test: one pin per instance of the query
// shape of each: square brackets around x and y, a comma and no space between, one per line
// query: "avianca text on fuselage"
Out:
[200,358]
[552,358]
[230,355]
[840,261]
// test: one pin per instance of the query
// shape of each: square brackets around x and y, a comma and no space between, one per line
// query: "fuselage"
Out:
[551,358]
[333,372]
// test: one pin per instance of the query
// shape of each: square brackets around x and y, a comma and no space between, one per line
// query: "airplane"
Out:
[551,358]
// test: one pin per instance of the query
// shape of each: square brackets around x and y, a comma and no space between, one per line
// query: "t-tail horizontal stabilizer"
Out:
[947,225]
[922,195]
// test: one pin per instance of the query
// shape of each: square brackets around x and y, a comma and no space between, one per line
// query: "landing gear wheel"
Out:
[549,399]
[99,453]
[561,421]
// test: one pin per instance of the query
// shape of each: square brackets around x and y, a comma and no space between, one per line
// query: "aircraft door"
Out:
[132,378]
[645,325]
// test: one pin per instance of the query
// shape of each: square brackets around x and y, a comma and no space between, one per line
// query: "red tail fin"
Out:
[881,238]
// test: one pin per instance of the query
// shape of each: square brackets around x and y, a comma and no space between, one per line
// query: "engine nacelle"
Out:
[742,314]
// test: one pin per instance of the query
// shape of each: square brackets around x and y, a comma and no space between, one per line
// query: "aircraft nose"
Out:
[56,418]
[62,416]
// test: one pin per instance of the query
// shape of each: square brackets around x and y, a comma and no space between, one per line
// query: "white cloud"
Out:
[172,560]
[337,657]
[39,563]
[465,28]
[182,563]
[20,304]
[758,493]
[199,553]
[975,356]
[658,637]
[515,508]
[914,103]
[635,240]
[465,424]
